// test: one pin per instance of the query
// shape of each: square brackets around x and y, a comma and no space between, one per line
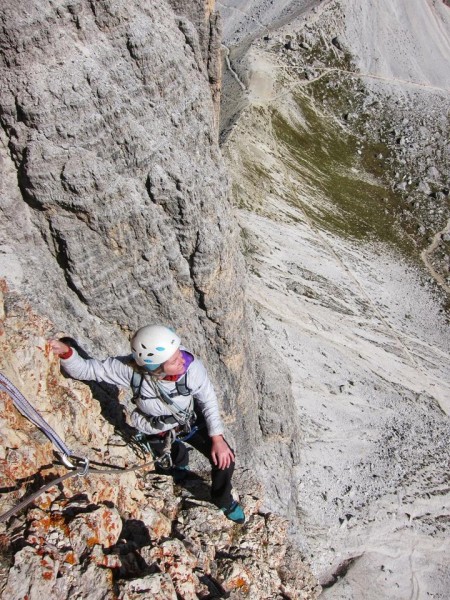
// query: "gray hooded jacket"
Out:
[115,371]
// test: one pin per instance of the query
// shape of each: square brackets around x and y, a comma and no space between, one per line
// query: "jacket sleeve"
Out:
[203,390]
[110,370]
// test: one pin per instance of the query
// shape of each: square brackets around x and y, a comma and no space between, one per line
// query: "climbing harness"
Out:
[28,411]
[191,433]
[164,461]
[182,416]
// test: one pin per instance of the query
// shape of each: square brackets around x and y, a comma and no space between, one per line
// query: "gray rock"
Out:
[337,43]
[433,173]
[158,586]
[423,187]
[310,74]
[115,198]
[291,44]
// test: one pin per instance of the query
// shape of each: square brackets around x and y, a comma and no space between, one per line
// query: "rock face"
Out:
[115,213]
[115,207]
[109,143]
[208,26]
[122,535]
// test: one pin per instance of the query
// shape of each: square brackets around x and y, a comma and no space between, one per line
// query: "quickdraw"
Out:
[80,466]
[28,411]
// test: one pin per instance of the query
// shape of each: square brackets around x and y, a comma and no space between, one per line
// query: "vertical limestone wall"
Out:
[114,198]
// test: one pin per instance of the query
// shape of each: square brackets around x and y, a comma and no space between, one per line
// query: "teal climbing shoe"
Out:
[234,512]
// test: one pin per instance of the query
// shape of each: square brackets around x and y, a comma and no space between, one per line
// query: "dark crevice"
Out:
[149,189]
[214,587]
[64,263]
[340,572]
[21,116]
[25,184]
[199,294]
[130,49]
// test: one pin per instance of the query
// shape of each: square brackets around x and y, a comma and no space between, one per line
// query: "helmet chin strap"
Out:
[149,368]
[154,372]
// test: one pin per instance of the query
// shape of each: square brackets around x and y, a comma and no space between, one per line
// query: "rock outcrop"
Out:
[127,535]
[208,25]
[115,205]
[116,213]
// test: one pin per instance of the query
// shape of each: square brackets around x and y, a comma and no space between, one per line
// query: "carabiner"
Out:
[65,461]
[85,468]
[69,464]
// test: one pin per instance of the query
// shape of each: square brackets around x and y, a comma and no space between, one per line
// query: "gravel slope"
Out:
[361,328]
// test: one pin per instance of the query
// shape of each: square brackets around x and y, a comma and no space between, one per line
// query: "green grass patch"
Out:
[323,156]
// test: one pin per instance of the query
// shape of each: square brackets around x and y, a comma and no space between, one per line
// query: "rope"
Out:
[15,509]
[28,411]
[79,471]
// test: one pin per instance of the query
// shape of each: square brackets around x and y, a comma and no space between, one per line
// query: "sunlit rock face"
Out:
[125,533]
[116,213]
[114,193]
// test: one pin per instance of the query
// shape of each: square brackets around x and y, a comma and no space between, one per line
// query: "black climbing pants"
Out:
[220,478]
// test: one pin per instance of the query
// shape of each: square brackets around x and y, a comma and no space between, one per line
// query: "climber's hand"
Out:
[221,453]
[58,347]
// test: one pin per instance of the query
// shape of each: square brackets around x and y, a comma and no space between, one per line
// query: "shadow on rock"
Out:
[107,396]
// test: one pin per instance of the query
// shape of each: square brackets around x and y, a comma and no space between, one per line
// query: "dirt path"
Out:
[326,70]
[426,254]
[230,68]
[356,74]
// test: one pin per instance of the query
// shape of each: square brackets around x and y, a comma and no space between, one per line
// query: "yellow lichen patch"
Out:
[92,541]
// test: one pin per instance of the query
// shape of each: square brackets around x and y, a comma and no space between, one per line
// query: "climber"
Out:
[174,398]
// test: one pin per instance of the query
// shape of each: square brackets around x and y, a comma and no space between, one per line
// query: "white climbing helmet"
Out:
[154,344]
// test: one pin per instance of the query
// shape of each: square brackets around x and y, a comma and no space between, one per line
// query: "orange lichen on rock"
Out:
[70,558]
[242,584]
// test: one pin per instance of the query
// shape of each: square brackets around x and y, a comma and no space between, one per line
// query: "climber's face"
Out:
[175,364]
